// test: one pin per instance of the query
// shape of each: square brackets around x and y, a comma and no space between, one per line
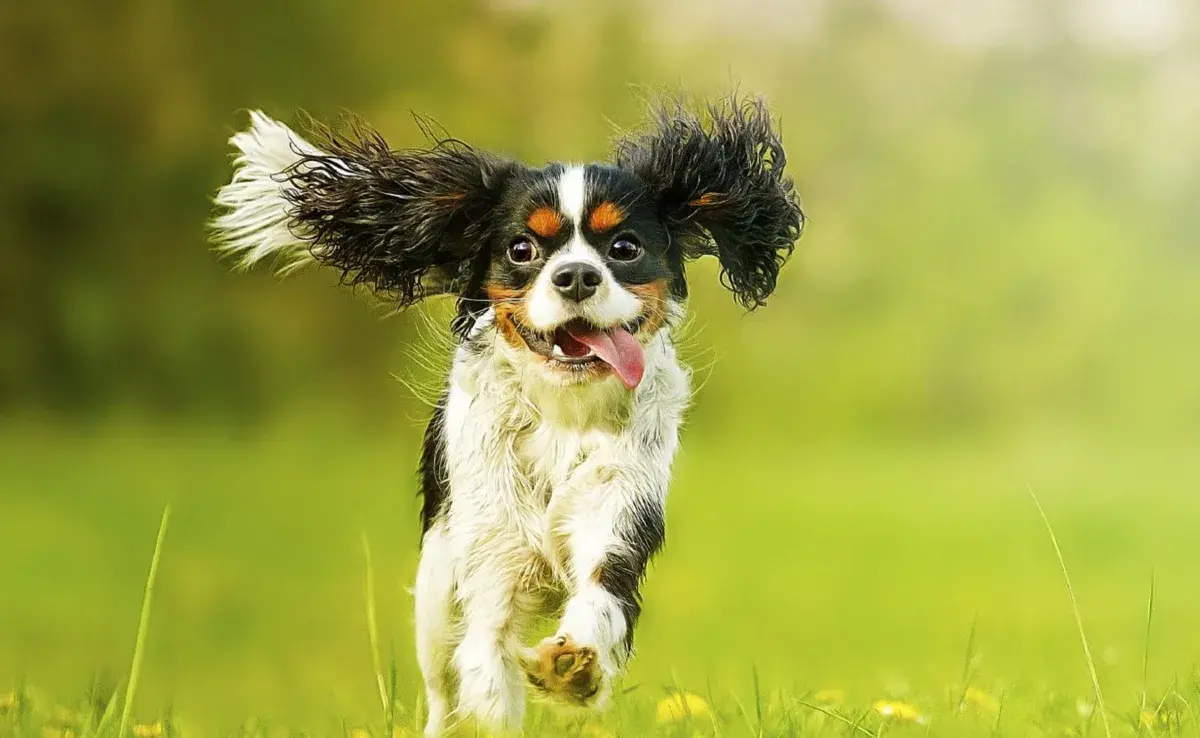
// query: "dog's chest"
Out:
[563,473]
[555,461]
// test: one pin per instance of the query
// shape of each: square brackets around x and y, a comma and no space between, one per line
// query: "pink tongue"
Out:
[618,349]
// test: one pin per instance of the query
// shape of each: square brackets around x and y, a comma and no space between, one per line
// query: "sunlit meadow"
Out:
[993,310]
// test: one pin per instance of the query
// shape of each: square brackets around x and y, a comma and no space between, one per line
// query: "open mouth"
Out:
[578,345]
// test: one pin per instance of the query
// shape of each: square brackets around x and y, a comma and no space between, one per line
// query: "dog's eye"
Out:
[522,251]
[624,249]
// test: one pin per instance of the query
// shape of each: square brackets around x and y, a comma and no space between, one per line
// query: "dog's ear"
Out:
[721,189]
[405,223]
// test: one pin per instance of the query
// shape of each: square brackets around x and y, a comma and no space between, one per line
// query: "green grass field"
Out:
[800,586]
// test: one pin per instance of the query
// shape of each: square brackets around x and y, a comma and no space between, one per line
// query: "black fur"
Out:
[406,223]
[434,472]
[425,221]
[721,189]
[643,532]
[605,183]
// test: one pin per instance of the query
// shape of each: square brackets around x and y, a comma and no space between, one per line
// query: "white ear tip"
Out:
[262,124]
[254,225]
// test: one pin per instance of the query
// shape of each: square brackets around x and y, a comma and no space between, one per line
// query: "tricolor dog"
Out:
[545,466]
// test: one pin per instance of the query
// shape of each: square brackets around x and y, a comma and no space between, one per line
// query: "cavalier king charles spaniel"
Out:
[546,463]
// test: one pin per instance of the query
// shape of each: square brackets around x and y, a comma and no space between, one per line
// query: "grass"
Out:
[135,670]
[819,591]
[783,713]
[1101,709]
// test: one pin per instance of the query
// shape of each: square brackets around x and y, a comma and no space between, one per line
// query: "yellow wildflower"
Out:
[358,733]
[595,731]
[981,699]
[901,711]
[153,730]
[1162,718]
[830,696]
[680,706]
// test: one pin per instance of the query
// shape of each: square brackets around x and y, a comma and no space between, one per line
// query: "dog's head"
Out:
[577,265]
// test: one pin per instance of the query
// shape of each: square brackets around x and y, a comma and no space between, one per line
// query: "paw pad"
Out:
[561,668]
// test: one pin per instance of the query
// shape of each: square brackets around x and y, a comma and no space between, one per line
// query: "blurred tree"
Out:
[1001,234]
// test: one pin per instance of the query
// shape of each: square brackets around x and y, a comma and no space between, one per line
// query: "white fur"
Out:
[434,591]
[254,225]
[611,304]
[572,194]
[540,473]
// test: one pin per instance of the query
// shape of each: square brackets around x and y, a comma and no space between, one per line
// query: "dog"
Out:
[545,465]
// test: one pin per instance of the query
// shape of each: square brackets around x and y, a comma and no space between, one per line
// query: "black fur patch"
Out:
[434,471]
[406,223]
[534,189]
[721,189]
[415,222]
[642,532]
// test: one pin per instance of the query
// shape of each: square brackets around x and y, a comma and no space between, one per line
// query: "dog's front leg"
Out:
[610,541]
[491,686]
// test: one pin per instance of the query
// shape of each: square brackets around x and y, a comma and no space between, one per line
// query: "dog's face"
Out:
[577,266]
[580,270]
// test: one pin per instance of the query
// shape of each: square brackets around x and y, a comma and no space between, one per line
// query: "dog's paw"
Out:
[561,668]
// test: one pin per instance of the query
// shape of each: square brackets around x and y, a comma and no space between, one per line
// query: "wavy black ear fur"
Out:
[720,183]
[406,223]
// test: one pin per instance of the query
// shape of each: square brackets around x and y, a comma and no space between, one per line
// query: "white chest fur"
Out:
[533,463]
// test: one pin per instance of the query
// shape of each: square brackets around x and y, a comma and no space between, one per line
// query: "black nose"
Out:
[577,281]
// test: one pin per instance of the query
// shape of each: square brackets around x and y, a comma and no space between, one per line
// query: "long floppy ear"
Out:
[405,223]
[721,189]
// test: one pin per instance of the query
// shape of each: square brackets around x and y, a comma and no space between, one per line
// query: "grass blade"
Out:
[373,631]
[1146,650]
[999,714]
[393,686]
[837,716]
[1087,650]
[968,667]
[110,709]
[758,703]
[712,704]
[745,715]
[139,645]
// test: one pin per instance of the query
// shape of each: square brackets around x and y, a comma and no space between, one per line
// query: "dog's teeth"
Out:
[557,352]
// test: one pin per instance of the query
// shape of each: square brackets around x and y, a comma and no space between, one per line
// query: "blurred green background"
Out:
[997,291]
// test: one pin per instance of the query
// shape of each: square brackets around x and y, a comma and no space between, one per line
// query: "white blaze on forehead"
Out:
[572,194]
[612,304]
[572,197]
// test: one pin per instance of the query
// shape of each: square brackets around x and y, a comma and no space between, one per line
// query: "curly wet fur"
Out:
[722,189]
[406,223]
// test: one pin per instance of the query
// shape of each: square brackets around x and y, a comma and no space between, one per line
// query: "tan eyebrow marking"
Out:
[605,216]
[545,221]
